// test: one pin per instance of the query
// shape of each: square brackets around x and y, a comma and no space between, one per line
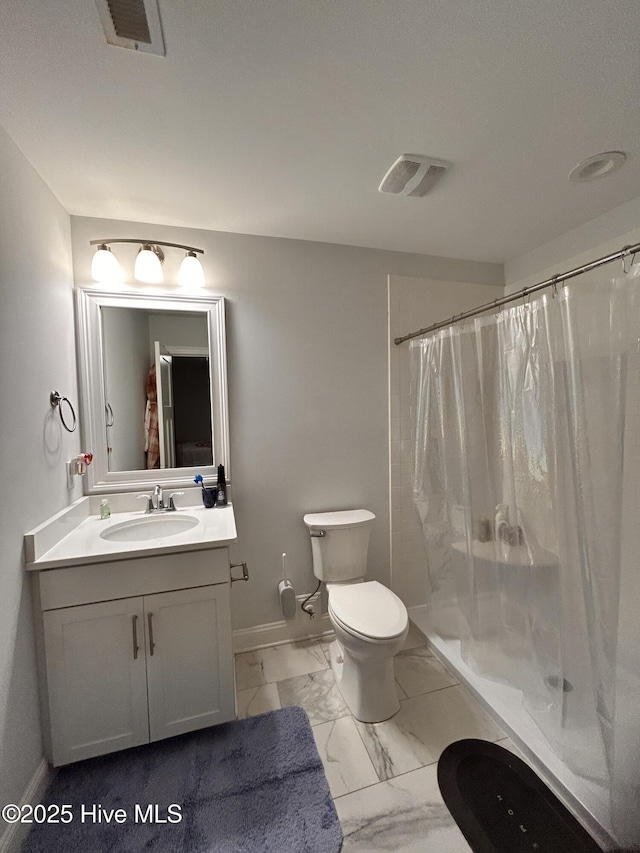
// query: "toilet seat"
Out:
[368,610]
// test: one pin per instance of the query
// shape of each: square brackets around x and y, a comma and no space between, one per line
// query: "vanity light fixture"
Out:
[148,265]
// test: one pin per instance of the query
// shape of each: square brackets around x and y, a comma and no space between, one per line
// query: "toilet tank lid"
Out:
[335,520]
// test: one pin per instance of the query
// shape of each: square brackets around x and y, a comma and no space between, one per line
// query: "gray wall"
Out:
[37,355]
[595,239]
[176,330]
[308,385]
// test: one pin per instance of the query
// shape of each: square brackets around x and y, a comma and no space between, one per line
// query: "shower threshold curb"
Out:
[586,806]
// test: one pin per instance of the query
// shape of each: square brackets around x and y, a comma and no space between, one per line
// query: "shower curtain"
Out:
[527,487]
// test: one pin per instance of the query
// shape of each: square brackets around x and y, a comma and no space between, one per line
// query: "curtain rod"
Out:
[498,303]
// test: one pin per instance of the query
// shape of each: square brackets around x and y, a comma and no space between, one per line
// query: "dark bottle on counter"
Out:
[221,486]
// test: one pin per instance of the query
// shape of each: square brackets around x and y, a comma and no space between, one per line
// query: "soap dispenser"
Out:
[221,488]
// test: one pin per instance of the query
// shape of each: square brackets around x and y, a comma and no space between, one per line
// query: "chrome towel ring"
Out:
[57,400]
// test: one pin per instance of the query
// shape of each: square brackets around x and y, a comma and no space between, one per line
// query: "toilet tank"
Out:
[341,553]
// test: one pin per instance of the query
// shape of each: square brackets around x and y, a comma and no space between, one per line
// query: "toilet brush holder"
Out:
[287,599]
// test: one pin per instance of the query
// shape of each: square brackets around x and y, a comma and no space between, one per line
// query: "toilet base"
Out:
[367,686]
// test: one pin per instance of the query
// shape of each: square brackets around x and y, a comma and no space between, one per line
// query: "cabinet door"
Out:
[96,678]
[189,660]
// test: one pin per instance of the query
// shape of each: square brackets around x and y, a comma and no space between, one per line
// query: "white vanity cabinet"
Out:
[134,651]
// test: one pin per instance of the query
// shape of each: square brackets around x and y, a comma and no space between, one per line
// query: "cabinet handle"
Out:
[152,645]
[136,647]
[245,571]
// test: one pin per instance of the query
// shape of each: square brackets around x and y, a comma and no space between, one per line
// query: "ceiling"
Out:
[280,117]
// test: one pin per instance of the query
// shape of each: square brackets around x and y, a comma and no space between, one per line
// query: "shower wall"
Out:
[413,304]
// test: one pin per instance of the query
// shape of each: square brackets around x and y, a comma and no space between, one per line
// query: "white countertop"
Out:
[216,528]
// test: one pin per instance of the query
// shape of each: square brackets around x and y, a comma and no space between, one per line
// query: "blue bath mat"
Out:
[250,786]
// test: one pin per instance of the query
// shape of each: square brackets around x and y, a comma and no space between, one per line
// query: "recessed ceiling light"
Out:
[597,166]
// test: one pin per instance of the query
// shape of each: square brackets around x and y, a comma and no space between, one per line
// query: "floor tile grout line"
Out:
[391,779]
[332,720]
[401,688]
[372,784]
[327,665]
[380,781]
[278,680]
[366,748]
[429,692]
[313,672]
[404,772]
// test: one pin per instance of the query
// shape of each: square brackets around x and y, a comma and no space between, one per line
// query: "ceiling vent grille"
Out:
[132,24]
[413,175]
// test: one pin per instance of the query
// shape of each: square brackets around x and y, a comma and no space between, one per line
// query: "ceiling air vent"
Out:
[413,174]
[132,24]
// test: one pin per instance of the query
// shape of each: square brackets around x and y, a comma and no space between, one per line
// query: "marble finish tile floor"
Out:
[382,776]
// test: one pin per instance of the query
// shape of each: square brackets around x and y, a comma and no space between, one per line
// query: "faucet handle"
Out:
[149,502]
[172,505]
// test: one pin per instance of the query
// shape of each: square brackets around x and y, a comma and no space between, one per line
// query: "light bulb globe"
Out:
[191,274]
[148,267]
[105,267]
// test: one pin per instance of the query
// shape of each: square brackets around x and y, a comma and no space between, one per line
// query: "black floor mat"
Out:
[501,806]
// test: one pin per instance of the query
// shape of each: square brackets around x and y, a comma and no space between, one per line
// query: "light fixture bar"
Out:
[149,242]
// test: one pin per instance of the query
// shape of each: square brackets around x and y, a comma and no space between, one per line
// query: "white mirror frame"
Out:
[99,479]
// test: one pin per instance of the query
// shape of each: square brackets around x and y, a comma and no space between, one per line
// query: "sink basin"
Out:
[148,527]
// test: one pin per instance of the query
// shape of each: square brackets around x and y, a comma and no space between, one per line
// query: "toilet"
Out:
[369,620]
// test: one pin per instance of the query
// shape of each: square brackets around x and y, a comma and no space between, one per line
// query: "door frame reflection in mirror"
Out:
[89,301]
[167,432]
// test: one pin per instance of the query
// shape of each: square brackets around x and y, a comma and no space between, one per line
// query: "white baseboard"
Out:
[284,631]
[14,834]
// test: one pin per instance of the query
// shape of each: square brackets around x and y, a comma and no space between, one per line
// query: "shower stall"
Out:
[526,483]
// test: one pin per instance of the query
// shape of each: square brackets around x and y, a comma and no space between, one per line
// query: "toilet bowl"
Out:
[371,624]
[370,621]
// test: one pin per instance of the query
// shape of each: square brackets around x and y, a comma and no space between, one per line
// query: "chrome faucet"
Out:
[156,502]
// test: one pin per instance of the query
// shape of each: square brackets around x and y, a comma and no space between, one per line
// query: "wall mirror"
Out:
[153,386]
